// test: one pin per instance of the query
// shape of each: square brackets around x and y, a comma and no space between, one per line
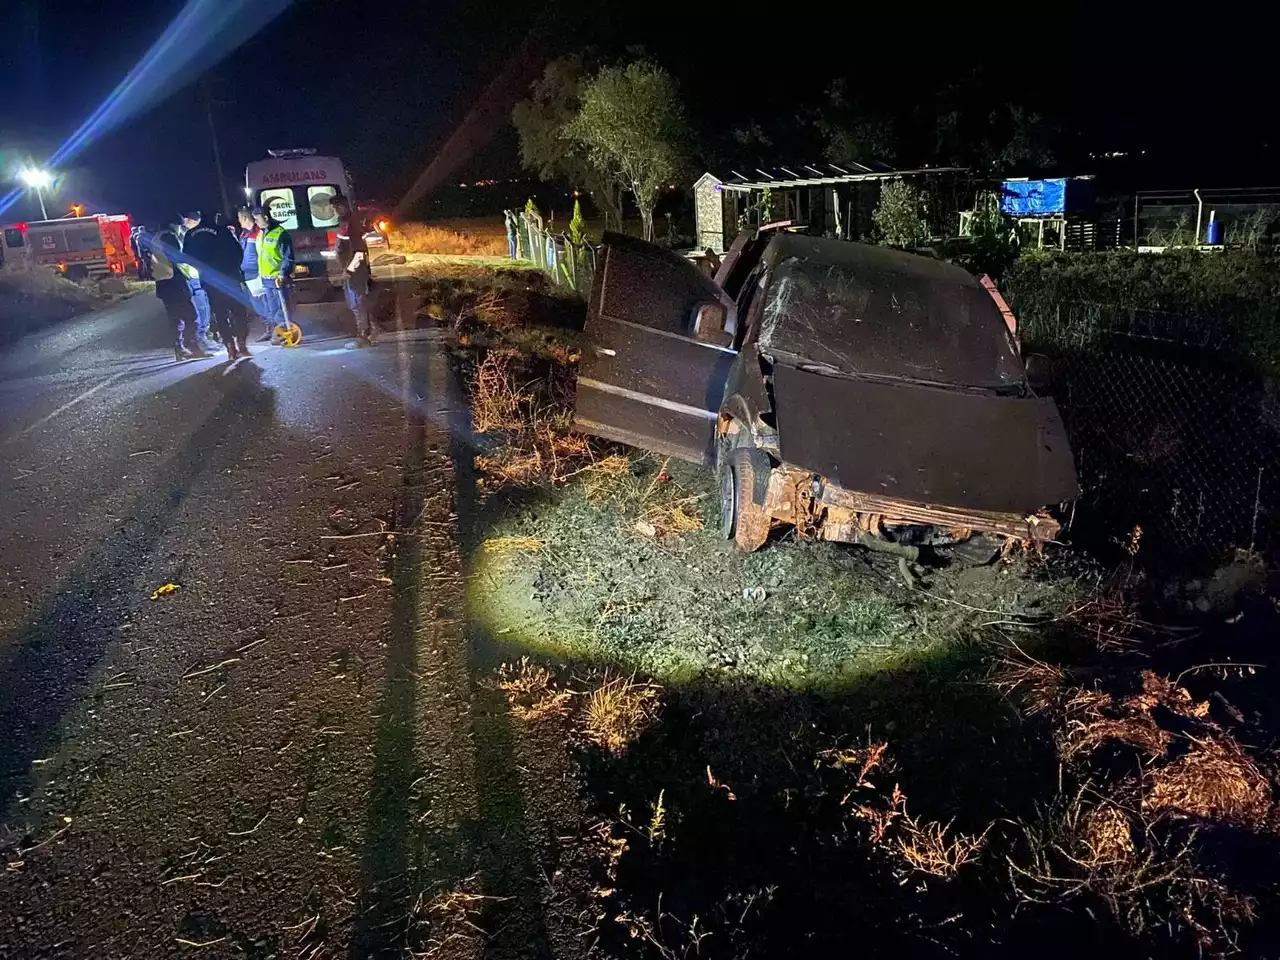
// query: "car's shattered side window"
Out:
[778,303]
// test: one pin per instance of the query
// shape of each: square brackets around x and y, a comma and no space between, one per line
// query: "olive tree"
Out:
[547,149]
[632,122]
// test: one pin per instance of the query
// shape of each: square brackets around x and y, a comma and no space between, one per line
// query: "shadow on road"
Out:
[50,660]
[446,807]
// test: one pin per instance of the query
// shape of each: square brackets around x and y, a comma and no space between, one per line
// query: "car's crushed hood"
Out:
[870,311]
[924,444]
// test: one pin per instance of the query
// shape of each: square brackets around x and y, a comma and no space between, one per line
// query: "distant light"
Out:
[36,179]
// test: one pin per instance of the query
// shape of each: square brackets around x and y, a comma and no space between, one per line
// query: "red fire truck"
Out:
[93,246]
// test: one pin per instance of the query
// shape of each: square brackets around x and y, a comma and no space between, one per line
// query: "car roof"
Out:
[846,253]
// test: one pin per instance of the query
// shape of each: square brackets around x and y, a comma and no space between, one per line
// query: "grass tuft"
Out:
[531,692]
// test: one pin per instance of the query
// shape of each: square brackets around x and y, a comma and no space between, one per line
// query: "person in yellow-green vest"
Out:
[275,265]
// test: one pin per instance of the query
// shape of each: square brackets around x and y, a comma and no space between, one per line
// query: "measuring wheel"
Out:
[287,334]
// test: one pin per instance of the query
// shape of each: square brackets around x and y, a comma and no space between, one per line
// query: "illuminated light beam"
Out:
[209,278]
[10,198]
[202,33]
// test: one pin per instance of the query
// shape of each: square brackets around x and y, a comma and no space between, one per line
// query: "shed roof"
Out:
[816,174]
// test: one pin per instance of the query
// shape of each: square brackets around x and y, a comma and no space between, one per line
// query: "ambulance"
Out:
[297,187]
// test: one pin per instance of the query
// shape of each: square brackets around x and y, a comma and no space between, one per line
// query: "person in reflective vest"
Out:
[275,265]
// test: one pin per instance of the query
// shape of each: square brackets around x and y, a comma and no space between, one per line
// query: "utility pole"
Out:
[217,150]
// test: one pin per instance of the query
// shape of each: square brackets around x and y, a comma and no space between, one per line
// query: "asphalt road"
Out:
[253,764]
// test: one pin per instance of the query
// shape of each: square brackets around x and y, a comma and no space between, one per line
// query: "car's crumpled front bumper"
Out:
[822,510]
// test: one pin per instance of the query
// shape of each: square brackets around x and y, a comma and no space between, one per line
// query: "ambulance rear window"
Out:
[279,202]
[302,207]
[320,204]
[14,238]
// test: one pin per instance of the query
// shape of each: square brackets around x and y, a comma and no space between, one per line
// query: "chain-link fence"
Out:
[568,264]
[1188,453]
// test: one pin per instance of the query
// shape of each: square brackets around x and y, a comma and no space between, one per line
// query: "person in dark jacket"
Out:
[357,278]
[213,252]
[171,288]
[249,233]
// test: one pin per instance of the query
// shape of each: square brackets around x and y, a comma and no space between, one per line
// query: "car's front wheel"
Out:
[741,517]
[725,486]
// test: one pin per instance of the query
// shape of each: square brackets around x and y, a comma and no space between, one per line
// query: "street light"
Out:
[37,180]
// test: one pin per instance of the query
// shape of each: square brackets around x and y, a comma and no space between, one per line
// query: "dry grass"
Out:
[1214,780]
[1106,835]
[456,240]
[666,520]
[497,400]
[1113,842]
[531,691]
[491,311]
[923,846]
[538,445]
[658,506]
[1038,686]
[1082,737]
[1089,846]
[446,925]
[618,711]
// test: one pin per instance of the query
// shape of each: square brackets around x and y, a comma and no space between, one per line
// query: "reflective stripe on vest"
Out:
[188,271]
[270,259]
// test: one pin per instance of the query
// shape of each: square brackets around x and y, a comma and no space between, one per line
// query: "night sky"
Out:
[385,84]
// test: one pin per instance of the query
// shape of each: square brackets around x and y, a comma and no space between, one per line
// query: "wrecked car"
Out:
[855,392]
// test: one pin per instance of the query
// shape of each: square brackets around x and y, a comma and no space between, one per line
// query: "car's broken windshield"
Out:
[877,319]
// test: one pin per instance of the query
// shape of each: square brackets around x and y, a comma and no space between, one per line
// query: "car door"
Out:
[657,354]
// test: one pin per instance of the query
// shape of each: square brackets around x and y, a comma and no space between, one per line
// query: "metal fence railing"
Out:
[1186,452]
[569,265]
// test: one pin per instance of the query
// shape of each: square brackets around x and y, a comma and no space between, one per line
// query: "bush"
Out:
[1228,303]
[899,216]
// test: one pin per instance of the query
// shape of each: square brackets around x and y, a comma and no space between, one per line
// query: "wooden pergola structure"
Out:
[833,200]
